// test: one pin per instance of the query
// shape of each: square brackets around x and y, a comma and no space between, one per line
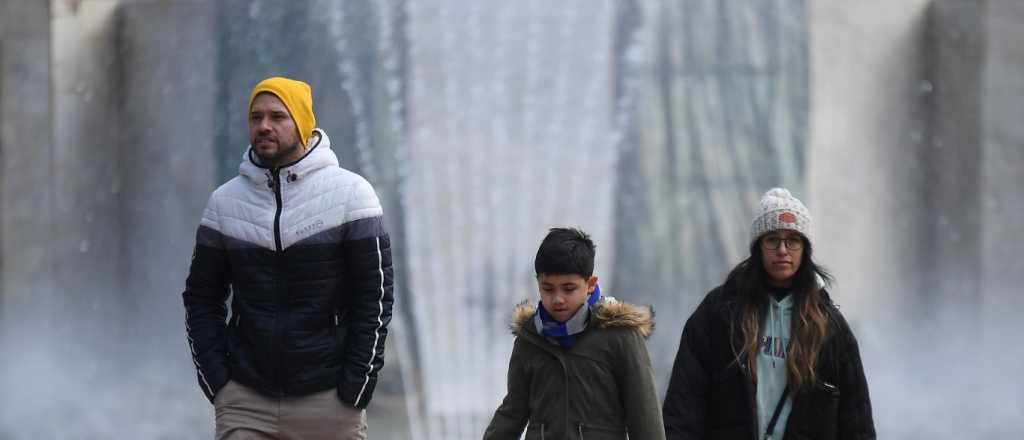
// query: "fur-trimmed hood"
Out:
[607,312]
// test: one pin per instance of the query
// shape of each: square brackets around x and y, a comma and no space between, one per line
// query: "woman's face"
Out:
[781,253]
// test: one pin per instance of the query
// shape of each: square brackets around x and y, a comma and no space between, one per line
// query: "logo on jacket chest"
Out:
[310,228]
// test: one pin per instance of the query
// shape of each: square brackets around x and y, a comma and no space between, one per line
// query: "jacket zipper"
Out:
[580,428]
[276,175]
[279,262]
[565,371]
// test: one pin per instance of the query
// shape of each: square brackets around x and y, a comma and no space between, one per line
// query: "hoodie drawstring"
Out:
[775,327]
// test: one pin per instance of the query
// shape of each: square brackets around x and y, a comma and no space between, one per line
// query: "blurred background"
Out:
[655,125]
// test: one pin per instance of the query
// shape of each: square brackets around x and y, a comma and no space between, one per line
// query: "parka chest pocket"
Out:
[821,412]
[826,400]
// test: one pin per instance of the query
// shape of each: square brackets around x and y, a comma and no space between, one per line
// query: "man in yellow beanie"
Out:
[299,245]
[280,120]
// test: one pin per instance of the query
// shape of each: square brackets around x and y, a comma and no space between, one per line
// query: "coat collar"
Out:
[318,155]
[607,312]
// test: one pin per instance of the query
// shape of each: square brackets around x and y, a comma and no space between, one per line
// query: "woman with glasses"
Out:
[767,355]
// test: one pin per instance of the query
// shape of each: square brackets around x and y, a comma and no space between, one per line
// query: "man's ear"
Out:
[591,284]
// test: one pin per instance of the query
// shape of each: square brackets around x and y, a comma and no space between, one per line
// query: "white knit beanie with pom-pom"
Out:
[780,210]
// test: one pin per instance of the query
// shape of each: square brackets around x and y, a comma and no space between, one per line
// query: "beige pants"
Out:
[244,414]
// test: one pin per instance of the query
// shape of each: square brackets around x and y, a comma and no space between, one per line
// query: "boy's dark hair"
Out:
[565,251]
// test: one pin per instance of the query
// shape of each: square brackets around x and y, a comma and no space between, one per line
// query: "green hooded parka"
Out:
[600,389]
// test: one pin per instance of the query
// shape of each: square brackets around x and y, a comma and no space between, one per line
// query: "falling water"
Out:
[499,93]
[652,124]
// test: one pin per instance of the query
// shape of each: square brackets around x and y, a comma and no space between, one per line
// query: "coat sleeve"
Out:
[855,419]
[686,399]
[206,291]
[640,396]
[368,295]
[510,418]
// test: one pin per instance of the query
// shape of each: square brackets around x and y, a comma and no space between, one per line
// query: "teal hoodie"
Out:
[771,366]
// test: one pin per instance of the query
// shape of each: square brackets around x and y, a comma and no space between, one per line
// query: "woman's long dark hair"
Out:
[810,320]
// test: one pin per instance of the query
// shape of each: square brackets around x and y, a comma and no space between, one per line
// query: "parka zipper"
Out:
[276,176]
[565,371]
[279,295]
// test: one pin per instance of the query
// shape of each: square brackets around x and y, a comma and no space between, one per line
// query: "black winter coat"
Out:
[710,396]
[305,258]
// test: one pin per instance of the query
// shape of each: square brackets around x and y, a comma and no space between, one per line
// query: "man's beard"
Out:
[277,158]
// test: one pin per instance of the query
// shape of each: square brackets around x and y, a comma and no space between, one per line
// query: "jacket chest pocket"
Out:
[826,399]
[819,418]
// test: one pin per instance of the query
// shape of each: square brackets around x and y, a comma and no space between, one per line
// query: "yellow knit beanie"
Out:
[297,96]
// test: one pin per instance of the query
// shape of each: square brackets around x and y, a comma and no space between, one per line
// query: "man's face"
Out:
[564,294]
[272,132]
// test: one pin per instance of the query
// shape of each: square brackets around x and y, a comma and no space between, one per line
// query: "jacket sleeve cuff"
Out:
[356,395]
[211,383]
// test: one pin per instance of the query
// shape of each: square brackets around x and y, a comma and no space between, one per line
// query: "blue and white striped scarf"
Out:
[564,333]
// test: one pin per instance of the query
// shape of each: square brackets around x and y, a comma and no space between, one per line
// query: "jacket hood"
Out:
[318,155]
[608,312]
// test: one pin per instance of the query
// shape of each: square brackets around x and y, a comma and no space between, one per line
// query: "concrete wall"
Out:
[1002,170]
[167,54]
[916,176]
[27,295]
[26,184]
[869,124]
[27,145]
[107,154]
[87,236]
[953,264]
[1001,219]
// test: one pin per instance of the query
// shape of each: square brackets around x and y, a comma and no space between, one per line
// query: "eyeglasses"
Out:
[773,242]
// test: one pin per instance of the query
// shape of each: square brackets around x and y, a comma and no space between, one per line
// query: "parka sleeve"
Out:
[369,294]
[855,420]
[640,397]
[685,401]
[510,418]
[205,296]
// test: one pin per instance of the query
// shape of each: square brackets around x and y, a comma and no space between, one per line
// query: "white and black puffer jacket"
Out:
[305,253]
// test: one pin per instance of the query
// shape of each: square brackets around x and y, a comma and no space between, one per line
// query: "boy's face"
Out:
[564,294]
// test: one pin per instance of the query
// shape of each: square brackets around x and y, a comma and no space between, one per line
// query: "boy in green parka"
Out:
[579,366]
